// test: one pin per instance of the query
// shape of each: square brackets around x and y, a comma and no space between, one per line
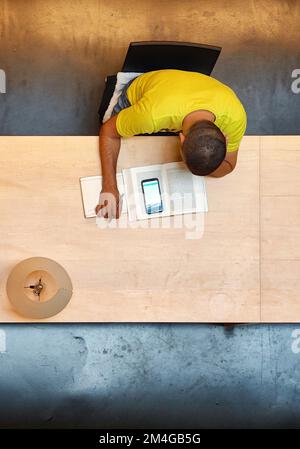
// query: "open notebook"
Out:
[181,191]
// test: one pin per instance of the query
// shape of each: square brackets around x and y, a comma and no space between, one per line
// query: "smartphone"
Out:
[152,195]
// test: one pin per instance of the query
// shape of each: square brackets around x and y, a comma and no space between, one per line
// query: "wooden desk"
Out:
[153,275]
[280,228]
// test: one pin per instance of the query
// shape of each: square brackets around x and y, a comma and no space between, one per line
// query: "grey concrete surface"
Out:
[56,55]
[102,376]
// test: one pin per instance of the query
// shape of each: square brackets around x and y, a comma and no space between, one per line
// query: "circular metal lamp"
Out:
[39,287]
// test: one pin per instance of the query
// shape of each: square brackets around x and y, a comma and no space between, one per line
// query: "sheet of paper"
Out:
[182,192]
[90,191]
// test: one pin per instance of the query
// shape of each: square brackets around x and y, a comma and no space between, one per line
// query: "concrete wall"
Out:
[56,55]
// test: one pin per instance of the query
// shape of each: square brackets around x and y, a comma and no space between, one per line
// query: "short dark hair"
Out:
[204,148]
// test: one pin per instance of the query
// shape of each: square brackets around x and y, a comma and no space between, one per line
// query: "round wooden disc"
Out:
[56,292]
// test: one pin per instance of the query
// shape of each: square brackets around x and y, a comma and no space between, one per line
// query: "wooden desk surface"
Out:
[243,268]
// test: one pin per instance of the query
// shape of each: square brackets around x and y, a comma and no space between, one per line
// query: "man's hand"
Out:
[110,204]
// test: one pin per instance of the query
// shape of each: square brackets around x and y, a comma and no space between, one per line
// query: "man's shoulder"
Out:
[237,108]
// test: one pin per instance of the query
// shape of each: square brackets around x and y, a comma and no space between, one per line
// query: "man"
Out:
[209,117]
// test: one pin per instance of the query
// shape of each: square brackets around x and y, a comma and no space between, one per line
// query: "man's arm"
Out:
[109,148]
[135,119]
[227,165]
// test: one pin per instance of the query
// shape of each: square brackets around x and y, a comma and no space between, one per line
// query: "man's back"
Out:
[161,99]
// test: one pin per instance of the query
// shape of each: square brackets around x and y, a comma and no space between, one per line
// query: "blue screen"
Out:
[152,196]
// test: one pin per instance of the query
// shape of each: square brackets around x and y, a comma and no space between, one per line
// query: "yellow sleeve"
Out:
[135,120]
[235,133]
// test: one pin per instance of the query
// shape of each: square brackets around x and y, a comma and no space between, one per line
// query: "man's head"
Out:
[203,148]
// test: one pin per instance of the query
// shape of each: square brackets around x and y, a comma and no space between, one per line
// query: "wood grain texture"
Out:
[131,275]
[280,228]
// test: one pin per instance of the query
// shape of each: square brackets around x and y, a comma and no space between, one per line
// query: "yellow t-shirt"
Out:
[161,99]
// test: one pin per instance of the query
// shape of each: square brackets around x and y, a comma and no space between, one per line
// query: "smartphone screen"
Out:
[152,196]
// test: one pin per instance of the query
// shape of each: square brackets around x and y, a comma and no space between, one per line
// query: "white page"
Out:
[133,178]
[182,192]
[90,191]
[187,191]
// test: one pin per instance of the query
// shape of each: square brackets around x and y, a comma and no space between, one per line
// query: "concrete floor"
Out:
[196,376]
[56,55]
